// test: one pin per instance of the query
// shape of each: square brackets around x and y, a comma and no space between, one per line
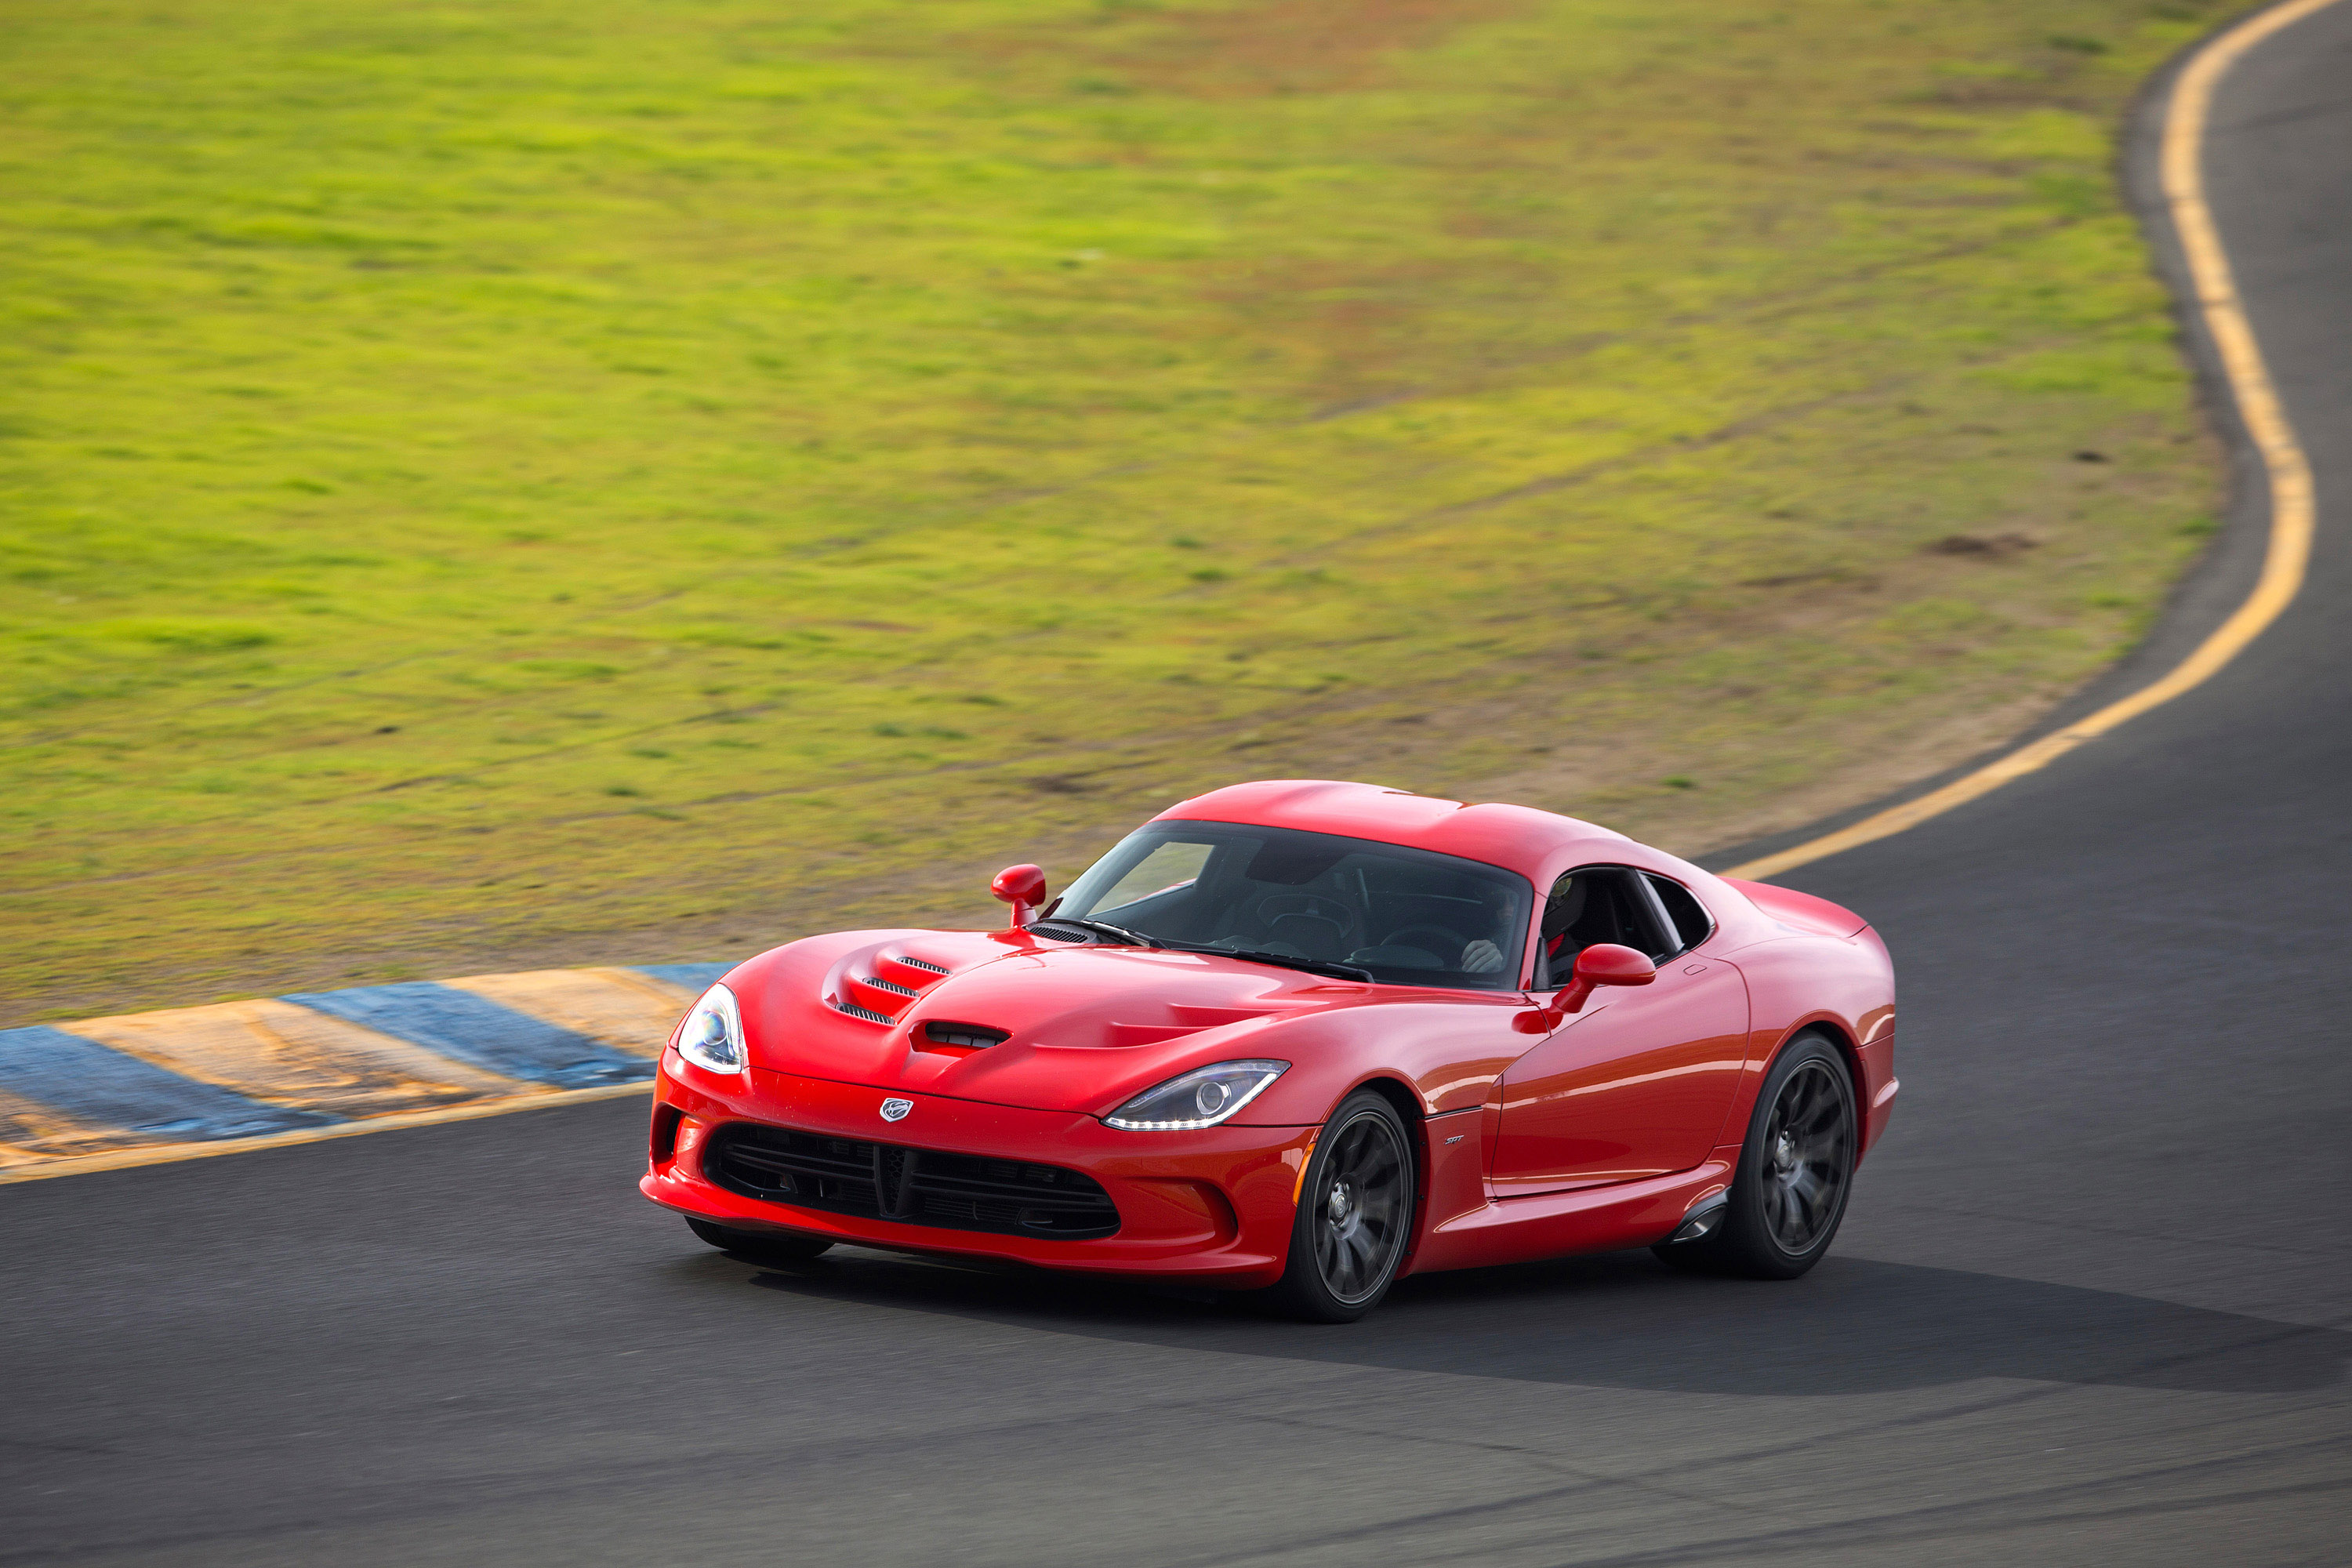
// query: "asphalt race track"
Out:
[2092,1303]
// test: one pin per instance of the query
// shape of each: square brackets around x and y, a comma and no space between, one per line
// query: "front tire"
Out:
[759,1247]
[1355,1215]
[1796,1170]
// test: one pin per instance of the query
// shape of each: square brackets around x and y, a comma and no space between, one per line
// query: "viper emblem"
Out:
[895,1110]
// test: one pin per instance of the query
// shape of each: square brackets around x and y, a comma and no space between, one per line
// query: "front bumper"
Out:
[1214,1207]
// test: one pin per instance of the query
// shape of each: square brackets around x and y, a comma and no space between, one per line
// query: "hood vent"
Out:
[963,1036]
[880,987]
[1059,933]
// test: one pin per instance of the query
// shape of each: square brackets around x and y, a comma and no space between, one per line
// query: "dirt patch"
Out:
[1995,547]
[1261,50]
[1300,45]
[1356,339]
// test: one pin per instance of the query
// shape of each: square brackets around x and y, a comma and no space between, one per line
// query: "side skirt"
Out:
[1588,1219]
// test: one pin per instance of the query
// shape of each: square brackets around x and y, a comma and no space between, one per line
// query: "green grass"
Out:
[526,481]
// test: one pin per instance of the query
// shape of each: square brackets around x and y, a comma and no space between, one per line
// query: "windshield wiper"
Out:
[1134,938]
[1285,960]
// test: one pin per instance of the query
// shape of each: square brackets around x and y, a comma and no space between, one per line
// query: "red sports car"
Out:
[1304,1037]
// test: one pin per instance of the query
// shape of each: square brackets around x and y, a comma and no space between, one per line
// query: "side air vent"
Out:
[972,1037]
[1060,934]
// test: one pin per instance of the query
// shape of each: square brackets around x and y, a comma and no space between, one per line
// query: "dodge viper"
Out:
[1302,1037]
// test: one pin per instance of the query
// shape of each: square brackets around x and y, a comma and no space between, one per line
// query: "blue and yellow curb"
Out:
[144,1088]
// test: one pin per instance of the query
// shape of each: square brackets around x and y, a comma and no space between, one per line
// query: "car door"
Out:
[1638,1082]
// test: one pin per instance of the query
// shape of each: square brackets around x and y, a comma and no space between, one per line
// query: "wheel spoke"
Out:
[1810,1127]
[1808,1193]
[1355,1252]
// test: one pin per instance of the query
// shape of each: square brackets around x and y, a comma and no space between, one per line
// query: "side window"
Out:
[1595,904]
[1693,924]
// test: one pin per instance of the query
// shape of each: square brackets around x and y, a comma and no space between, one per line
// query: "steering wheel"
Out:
[1447,942]
[1314,906]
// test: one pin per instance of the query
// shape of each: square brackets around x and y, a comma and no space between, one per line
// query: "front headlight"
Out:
[1202,1098]
[712,1034]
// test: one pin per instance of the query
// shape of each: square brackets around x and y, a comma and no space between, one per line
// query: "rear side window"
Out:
[1692,922]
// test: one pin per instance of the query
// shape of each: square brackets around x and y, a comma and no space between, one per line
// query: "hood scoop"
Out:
[879,988]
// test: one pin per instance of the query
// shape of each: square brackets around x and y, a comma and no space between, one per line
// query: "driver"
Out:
[1483,957]
[1561,911]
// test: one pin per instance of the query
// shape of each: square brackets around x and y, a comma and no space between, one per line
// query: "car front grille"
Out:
[917,1187]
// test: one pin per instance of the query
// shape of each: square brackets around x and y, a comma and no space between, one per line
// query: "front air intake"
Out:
[786,1166]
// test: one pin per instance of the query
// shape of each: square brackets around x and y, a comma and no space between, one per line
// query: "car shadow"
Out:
[1852,1326]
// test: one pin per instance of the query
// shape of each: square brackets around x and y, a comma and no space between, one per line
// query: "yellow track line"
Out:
[163,1154]
[2292,512]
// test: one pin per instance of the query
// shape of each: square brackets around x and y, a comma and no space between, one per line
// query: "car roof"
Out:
[1516,837]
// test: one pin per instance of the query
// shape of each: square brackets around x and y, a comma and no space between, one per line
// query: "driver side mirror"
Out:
[1022,887]
[1603,963]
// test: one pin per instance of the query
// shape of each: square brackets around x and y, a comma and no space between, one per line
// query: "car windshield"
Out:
[1410,916]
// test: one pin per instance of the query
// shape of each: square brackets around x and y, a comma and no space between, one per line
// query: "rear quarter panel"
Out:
[1844,986]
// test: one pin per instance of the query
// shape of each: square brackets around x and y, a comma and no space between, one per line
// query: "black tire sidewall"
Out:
[1302,1292]
[1748,1240]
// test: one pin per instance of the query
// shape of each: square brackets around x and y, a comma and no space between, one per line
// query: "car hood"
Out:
[1008,1019]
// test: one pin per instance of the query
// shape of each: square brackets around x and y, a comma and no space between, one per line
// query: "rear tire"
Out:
[759,1247]
[1795,1173]
[1355,1215]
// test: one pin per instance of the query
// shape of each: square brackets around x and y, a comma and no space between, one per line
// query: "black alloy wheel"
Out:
[1355,1213]
[1809,1157]
[1795,1173]
[770,1247]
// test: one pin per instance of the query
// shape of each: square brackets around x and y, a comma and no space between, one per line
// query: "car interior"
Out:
[1408,915]
[1639,909]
